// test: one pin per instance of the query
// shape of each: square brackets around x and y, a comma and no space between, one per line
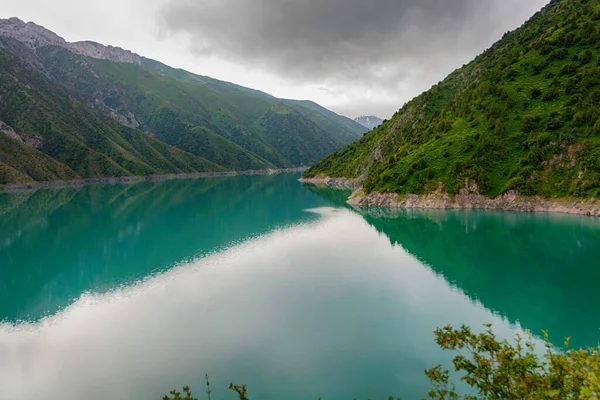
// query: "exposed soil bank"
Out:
[509,201]
[134,179]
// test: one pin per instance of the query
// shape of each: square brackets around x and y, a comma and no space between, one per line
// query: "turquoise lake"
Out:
[129,291]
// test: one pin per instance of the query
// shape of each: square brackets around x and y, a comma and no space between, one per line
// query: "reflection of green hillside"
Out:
[56,244]
[541,270]
[334,196]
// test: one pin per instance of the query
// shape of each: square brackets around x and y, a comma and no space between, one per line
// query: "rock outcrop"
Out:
[509,201]
[468,198]
[97,50]
[31,34]
[29,140]
[128,119]
[36,36]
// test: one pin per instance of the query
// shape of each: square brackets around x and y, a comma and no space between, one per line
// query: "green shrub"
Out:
[497,369]
[541,78]
[185,394]
[558,54]
[569,69]
[586,57]
[551,94]
[576,99]
[595,97]
[555,121]
[535,93]
[530,122]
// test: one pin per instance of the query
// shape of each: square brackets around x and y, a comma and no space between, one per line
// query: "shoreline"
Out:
[335,183]
[135,179]
[467,200]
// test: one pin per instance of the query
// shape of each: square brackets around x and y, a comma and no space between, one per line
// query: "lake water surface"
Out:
[128,291]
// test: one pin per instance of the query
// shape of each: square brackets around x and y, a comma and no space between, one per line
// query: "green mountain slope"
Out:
[47,134]
[161,106]
[340,128]
[298,139]
[21,163]
[522,116]
[171,107]
[216,120]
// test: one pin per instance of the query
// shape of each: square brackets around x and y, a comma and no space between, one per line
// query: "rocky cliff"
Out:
[31,34]
[36,36]
[97,50]
[509,201]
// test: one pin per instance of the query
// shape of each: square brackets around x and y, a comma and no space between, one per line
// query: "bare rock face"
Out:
[128,119]
[510,201]
[468,198]
[25,39]
[29,140]
[31,34]
[25,53]
[36,36]
[97,50]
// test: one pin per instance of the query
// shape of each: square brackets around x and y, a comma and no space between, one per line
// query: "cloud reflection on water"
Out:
[329,308]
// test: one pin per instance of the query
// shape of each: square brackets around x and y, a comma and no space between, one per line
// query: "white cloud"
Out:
[371,56]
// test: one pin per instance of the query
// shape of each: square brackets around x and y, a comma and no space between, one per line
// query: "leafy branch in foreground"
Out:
[498,369]
[240,390]
[501,370]
[186,395]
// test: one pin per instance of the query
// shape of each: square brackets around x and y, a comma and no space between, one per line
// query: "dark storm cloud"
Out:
[381,43]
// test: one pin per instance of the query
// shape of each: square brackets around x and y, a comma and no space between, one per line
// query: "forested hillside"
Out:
[214,125]
[522,116]
[46,134]
[229,125]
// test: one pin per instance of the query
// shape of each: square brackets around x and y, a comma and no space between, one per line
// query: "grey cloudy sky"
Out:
[352,56]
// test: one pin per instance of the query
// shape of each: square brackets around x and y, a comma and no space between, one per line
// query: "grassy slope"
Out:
[171,104]
[339,127]
[300,140]
[21,163]
[524,115]
[167,108]
[345,129]
[76,141]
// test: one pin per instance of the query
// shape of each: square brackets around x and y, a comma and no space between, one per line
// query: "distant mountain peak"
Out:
[36,36]
[211,125]
[369,121]
[15,20]
[29,33]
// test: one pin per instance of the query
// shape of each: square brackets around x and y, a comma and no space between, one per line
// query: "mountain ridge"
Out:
[522,117]
[216,121]
[36,36]
[47,134]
